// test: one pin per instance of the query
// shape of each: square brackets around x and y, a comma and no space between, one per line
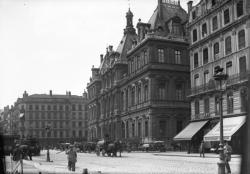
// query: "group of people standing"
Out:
[227,154]
[21,153]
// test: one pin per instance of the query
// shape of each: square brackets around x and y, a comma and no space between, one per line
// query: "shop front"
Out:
[232,132]
[191,136]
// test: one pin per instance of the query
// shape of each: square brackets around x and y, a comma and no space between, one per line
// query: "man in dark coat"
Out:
[72,158]
[227,152]
[202,149]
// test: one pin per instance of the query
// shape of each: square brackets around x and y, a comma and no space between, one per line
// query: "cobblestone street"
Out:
[135,162]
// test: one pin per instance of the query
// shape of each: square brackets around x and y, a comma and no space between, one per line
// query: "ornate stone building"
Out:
[142,86]
[219,36]
[65,115]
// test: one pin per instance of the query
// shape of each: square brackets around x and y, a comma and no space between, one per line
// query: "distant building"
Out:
[140,88]
[219,36]
[64,115]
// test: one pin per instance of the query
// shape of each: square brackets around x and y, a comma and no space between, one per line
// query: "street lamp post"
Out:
[47,128]
[220,77]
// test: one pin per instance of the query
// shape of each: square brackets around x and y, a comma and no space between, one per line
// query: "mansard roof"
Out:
[169,10]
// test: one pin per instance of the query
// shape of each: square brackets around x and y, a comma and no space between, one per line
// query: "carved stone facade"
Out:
[140,89]
[219,36]
[65,115]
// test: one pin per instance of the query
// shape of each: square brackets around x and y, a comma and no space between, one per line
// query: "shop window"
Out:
[228,45]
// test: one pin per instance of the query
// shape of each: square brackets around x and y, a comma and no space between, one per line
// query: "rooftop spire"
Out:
[129,27]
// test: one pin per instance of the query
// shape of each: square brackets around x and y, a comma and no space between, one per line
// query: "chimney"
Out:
[101,57]
[190,5]
[50,92]
[110,48]
[25,94]
[84,95]
[160,9]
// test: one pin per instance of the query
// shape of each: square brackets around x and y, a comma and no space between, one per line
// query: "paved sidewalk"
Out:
[185,154]
[94,163]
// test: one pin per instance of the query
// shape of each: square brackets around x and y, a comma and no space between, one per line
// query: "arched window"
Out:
[241,39]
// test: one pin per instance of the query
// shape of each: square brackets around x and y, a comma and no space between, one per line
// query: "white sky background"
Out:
[52,44]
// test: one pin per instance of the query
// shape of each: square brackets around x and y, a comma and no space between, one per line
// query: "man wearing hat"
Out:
[72,158]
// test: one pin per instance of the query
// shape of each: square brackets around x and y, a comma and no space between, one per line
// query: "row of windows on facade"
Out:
[53,116]
[229,71]
[214,21]
[54,125]
[56,134]
[56,107]
[216,49]
[137,95]
[136,130]
[139,61]
[230,103]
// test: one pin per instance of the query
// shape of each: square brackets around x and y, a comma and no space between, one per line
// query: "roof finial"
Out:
[129,4]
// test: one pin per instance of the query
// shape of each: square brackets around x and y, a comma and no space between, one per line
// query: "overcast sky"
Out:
[52,44]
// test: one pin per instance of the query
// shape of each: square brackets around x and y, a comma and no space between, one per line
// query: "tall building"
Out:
[142,86]
[52,118]
[220,37]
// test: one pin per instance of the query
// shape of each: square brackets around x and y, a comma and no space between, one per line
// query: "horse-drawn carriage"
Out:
[108,148]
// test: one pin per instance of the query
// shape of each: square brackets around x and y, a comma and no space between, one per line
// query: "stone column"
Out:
[150,126]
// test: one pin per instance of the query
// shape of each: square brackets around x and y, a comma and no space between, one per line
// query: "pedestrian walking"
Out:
[72,158]
[29,152]
[227,154]
[202,149]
